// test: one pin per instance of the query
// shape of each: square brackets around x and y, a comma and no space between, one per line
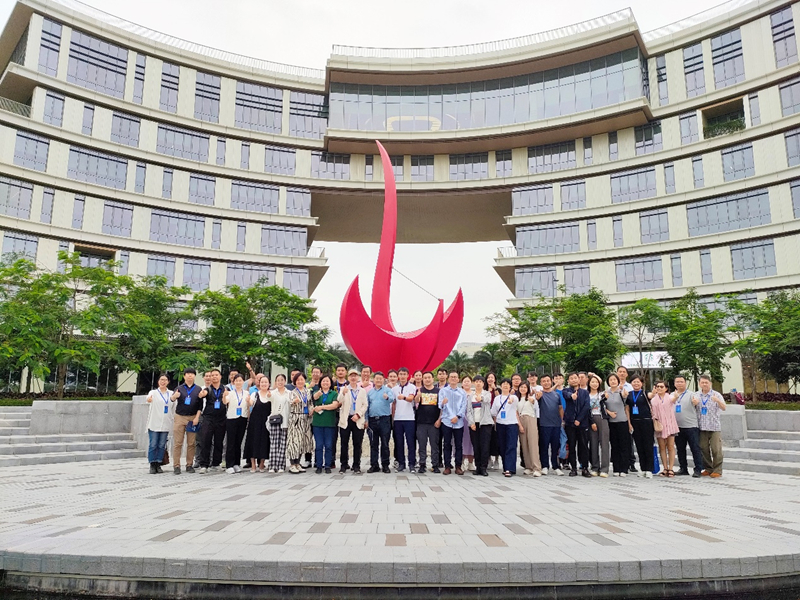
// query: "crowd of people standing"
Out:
[584,425]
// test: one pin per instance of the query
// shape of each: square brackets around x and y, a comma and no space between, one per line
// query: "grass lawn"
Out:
[773,405]
[29,401]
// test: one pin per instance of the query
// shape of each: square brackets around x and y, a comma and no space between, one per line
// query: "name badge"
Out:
[354,406]
[704,411]
[216,404]
[502,414]
[238,412]
[635,410]
[188,400]
[166,410]
[305,409]
[677,408]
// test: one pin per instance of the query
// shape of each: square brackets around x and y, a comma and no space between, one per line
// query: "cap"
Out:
[356,371]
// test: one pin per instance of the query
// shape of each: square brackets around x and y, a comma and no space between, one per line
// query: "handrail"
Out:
[15,107]
[507,251]
[696,19]
[187,46]
[316,252]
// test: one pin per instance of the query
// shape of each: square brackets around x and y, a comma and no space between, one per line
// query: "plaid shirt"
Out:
[710,420]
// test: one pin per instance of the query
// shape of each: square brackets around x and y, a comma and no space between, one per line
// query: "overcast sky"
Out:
[301,32]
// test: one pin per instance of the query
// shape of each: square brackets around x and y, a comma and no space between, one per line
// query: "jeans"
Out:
[158,444]
[578,440]
[643,438]
[407,430]
[481,439]
[428,433]
[381,432]
[213,433]
[449,434]
[507,438]
[550,439]
[358,441]
[691,436]
[323,446]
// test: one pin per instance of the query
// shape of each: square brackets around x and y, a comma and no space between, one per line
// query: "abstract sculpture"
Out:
[374,341]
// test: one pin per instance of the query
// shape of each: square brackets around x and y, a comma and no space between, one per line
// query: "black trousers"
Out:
[691,436]
[381,432]
[213,432]
[643,437]
[235,429]
[620,438]
[578,441]
[357,434]
[481,439]
[450,436]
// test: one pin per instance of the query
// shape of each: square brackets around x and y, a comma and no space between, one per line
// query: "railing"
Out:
[15,107]
[696,19]
[499,45]
[316,252]
[185,45]
[507,252]
[725,128]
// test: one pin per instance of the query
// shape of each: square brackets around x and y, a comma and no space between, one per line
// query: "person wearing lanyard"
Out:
[404,424]
[259,405]
[299,441]
[159,423]
[353,405]
[380,399]
[640,425]
[428,423]
[618,430]
[599,442]
[188,409]
[453,402]
[504,411]
[237,402]
[708,409]
[326,404]
[214,418]
[688,428]
[479,420]
[577,422]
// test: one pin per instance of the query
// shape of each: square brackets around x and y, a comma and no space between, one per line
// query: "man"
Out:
[214,421]
[532,382]
[577,415]
[404,422]
[516,379]
[366,385]
[198,438]
[558,382]
[427,417]
[380,400]
[341,377]
[290,386]
[626,388]
[353,409]
[187,410]
[441,383]
[551,416]
[453,402]
[708,408]
[583,380]
[688,428]
[391,383]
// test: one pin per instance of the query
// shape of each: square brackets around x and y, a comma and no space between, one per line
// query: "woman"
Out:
[159,423]
[640,425]
[418,380]
[529,436]
[494,447]
[278,423]
[504,411]
[326,403]
[298,441]
[238,403]
[662,405]
[599,443]
[258,437]
[618,433]
[469,451]
[481,425]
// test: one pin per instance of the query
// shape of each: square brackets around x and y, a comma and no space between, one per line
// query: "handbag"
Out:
[276,419]
[165,461]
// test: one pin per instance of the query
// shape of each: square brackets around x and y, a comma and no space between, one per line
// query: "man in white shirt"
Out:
[404,421]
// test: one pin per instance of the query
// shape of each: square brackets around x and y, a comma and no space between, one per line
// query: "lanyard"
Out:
[237,397]
[188,389]
[680,398]
[166,400]
[708,397]
[636,397]
[217,393]
[354,394]
[303,396]
[503,404]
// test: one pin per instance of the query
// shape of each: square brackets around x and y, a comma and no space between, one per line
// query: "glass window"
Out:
[138,79]
[77,212]
[48,196]
[327,165]
[616,225]
[697,171]
[793,147]
[298,202]
[689,130]
[551,157]
[124,259]
[369,167]
[202,189]
[20,50]
[661,79]
[284,241]
[196,274]
[422,168]
[705,266]
[573,195]
[469,166]
[183,143]
[49,47]
[693,70]
[97,167]
[755,110]
[117,218]
[258,107]
[677,270]
[177,228]
[206,97]
[246,276]
[308,115]
[88,119]
[557,238]
[669,178]
[166,184]
[753,259]
[727,58]
[633,185]
[397,167]
[536,281]
[796,198]
[221,151]
[15,198]
[31,151]
[216,235]
[783,37]
[613,146]
[591,234]
[648,138]
[531,200]
[245,162]
[141,175]
[170,78]
[53,109]
[654,225]
[296,281]
[639,274]
[790,97]
[737,162]
[504,164]
[576,279]
[279,160]
[728,213]
[20,244]
[241,237]
[97,64]
[125,129]
[257,197]
[161,266]
[587,151]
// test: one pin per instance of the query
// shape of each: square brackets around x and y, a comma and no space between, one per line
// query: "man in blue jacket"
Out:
[577,420]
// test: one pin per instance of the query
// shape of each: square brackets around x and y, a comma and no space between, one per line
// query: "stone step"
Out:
[19,422]
[769,444]
[763,434]
[25,410]
[63,438]
[64,457]
[760,466]
[20,449]
[8,431]
[767,455]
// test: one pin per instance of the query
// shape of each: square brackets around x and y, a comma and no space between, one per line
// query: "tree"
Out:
[459,362]
[743,325]
[492,358]
[643,325]
[589,332]
[778,336]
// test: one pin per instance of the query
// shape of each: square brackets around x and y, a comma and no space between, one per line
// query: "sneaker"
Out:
[176,470]
[356,471]
[595,473]
[639,473]
[189,469]
[559,472]
[213,469]
[623,474]
[237,469]
[493,464]
[421,470]
[328,470]
[632,469]
[294,470]
[159,469]
[603,474]
[230,470]
[399,469]
[202,471]
[280,471]
[648,475]
[387,470]
[343,469]
[527,472]
[537,473]
[305,465]
[471,466]
[436,470]
[586,473]
[153,469]
[545,471]
[696,474]
[318,470]
[396,464]
[573,473]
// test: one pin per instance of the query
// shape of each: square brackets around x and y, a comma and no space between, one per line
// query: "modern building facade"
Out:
[643,164]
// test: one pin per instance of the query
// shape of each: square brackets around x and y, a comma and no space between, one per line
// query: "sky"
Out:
[302,32]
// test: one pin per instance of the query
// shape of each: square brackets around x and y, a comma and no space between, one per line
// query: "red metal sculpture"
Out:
[374,341]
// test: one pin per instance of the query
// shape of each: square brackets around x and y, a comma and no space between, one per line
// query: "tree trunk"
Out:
[61,380]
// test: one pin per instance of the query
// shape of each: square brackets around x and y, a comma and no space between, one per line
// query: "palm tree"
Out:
[458,361]
[491,358]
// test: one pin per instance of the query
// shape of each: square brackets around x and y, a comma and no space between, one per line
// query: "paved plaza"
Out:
[113,519]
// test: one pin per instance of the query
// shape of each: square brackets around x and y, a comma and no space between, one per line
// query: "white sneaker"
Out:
[559,472]
[639,473]
[537,473]
[623,474]
[604,474]
[472,466]
[203,470]
[545,471]
[648,475]
[230,471]
[237,469]
[527,472]
[280,470]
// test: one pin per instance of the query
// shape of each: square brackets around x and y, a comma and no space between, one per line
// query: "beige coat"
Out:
[362,404]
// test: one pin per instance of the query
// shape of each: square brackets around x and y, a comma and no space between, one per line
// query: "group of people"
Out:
[584,425]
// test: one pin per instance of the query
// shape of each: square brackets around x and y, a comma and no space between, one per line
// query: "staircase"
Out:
[19,448]
[766,451]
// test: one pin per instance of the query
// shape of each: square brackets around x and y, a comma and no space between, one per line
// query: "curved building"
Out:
[640,163]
